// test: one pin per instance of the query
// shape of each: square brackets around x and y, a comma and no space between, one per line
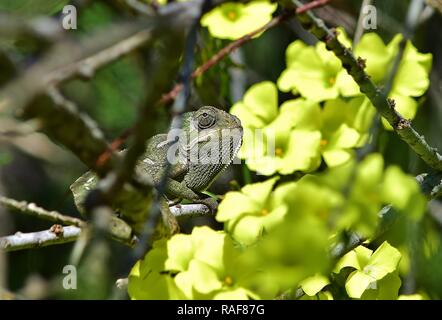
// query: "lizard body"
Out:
[197,153]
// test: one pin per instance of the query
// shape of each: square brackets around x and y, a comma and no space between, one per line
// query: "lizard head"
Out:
[212,134]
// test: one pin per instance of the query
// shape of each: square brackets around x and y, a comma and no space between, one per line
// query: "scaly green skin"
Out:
[208,134]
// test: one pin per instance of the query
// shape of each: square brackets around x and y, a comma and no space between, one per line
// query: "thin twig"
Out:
[189,210]
[311,5]
[33,210]
[88,66]
[436,4]
[224,52]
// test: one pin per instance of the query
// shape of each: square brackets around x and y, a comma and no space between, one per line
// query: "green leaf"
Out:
[81,187]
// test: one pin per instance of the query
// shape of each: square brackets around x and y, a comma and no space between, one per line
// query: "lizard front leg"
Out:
[177,189]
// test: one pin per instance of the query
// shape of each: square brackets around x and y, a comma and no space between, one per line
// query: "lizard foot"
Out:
[211,203]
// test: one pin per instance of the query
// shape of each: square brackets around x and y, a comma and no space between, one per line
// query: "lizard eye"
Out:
[206,120]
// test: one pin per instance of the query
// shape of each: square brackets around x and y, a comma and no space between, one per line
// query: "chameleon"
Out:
[192,153]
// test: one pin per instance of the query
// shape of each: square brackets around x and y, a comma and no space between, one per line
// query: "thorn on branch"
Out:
[57,229]
[362,63]
[392,103]
[329,36]
[402,124]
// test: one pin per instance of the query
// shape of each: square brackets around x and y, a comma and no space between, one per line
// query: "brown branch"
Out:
[221,54]
[311,5]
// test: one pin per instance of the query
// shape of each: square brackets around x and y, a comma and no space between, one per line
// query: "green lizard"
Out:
[198,152]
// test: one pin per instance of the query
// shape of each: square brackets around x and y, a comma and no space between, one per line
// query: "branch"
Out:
[62,122]
[436,4]
[118,229]
[385,106]
[189,210]
[20,241]
[431,184]
[88,66]
[42,28]
[20,92]
[33,210]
